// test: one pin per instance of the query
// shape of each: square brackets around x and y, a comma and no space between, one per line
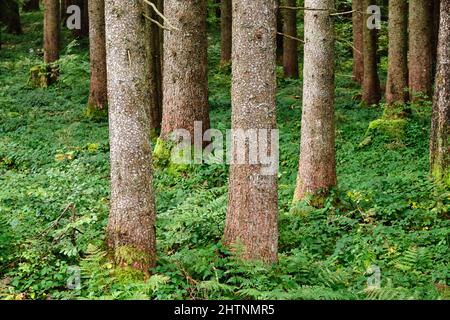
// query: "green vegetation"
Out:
[54,189]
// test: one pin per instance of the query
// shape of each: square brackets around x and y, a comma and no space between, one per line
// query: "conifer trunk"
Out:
[253,201]
[131,228]
[371,84]
[185,78]
[290,45]
[358,25]
[397,81]
[420,47]
[98,96]
[317,165]
[225,27]
[51,31]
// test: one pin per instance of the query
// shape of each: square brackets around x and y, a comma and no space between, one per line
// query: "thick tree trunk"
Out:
[440,125]
[371,84]
[185,79]
[225,27]
[98,97]
[397,81]
[31,5]
[253,201]
[51,31]
[420,47]
[358,25]
[131,229]
[317,165]
[290,45]
[10,17]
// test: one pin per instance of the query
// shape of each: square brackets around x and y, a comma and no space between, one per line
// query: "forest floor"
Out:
[386,213]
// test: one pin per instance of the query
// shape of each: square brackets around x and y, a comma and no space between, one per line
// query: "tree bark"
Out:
[131,228]
[253,201]
[317,165]
[371,84]
[397,81]
[98,97]
[31,5]
[185,79]
[358,25]
[10,17]
[225,27]
[51,31]
[440,122]
[290,46]
[420,48]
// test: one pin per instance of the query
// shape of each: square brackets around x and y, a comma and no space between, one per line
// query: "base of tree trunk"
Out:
[94,111]
[43,76]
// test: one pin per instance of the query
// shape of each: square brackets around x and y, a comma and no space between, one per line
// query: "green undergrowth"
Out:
[54,199]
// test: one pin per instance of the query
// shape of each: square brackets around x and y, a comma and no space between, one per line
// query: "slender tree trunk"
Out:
[440,125]
[10,17]
[358,25]
[435,19]
[51,31]
[185,79]
[98,97]
[290,46]
[131,229]
[31,5]
[155,71]
[317,165]
[371,84]
[397,81]
[420,47]
[253,201]
[225,27]
[280,37]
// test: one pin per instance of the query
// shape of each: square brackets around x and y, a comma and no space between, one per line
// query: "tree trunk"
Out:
[10,17]
[440,125]
[317,165]
[371,84]
[253,201]
[436,19]
[290,46]
[131,229]
[185,79]
[420,48]
[397,81]
[31,5]
[98,97]
[51,31]
[358,25]
[225,27]
[280,37]
[155,70]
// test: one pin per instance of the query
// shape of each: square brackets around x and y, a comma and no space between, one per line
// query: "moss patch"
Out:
[162,158]
[95,113]
[388,130]
[42,76]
